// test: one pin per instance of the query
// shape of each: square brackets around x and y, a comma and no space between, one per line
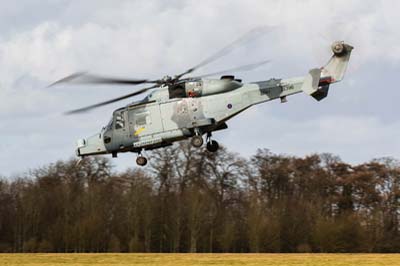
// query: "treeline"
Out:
[190,200]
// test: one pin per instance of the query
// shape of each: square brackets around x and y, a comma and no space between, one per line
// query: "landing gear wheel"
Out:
[212,146]
[140,160]
[197,141]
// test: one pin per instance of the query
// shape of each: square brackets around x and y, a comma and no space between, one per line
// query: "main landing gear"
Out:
[197,141]
[212,145]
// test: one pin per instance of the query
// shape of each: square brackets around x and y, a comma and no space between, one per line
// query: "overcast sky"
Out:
[44,40]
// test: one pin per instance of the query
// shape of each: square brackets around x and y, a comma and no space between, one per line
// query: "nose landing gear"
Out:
[141,160]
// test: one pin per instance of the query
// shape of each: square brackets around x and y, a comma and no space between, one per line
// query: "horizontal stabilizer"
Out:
[316,86]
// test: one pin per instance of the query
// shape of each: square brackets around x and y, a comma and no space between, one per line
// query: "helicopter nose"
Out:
[80,143]
[90,146]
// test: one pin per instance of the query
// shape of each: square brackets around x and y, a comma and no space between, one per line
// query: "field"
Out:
[199,259]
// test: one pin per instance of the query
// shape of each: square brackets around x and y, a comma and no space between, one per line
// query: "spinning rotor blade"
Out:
[235,69]
[252,34]
[84,78]
[85,109]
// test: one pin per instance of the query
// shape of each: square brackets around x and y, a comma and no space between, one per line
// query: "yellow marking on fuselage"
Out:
[138,131]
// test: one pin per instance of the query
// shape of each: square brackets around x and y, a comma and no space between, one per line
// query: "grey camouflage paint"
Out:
[159,121]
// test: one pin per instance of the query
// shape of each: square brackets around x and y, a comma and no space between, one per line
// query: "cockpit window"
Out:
[110,123]
[119,121]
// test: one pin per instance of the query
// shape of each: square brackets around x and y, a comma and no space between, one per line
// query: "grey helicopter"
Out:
[179,108]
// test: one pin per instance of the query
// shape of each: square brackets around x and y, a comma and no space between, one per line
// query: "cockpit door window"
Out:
[119,120]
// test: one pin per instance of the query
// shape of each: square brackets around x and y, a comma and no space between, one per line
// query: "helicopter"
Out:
[179,108]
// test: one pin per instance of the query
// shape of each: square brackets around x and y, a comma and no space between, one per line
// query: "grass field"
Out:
[199,259]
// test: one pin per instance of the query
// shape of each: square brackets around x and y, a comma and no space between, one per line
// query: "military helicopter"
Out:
[180,108]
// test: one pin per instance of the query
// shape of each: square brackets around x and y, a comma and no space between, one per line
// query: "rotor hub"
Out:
[167,79]
[338,48]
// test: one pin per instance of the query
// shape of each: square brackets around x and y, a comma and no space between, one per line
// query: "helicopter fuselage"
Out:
[197,107]
[159,122]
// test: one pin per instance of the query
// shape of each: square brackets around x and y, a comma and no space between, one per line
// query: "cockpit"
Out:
[117,121]
[109,124]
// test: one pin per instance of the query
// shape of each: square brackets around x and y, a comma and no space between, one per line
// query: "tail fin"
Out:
[337,65]
[317,82]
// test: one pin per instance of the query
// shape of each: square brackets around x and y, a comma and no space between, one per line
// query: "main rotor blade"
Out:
[250,35]
[235,69]
[85,109]
[84,78]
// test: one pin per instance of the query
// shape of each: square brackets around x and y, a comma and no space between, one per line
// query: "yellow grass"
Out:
[199,259]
